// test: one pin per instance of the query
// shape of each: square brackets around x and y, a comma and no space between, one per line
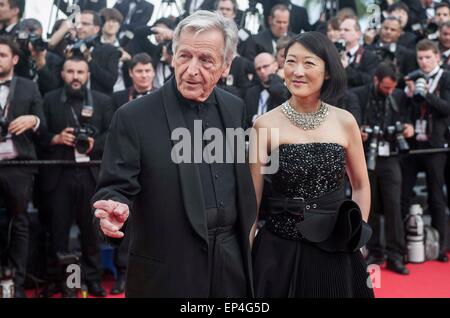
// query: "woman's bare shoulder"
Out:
[343,116]
[270,119]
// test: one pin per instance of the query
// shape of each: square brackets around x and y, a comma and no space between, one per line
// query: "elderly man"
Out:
[190,222]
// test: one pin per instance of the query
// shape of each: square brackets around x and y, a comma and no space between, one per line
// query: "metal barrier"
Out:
[9,163]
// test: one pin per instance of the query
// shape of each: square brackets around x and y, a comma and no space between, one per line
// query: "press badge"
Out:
[7,150]
[81,157]
[384,149]
[421,130]
[230,80]
[87,111]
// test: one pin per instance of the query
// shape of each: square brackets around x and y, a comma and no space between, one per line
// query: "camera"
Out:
[4,124]
[80,47]
[385,54]
[340,46]
[420,82]
[426,30]
[82,134]
[24,38]
[375,134]
[392,134]
[395,133]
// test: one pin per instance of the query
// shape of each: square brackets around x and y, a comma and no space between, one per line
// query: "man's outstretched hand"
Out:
[112,216]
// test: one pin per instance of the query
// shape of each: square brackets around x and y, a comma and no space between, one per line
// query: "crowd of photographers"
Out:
[57,99]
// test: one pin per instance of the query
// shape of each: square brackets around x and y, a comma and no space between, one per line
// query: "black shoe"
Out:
[119,286]
[397,266]
[96,289]
[372,259]
[442,258]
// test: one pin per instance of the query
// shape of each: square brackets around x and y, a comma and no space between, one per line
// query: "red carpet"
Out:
[428,280]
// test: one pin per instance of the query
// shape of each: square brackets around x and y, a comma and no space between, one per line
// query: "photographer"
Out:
[161,52]
[142,74]
[94,5]
[266,41]
[429,90]
[401,11]
[136,13]
[112,20]
[270,90]
[388,49]
[11,11]
[78,120]
[383,106]
[444,44]
[103,59]
[358,62]
[21,122]
[36,62]
[442,13]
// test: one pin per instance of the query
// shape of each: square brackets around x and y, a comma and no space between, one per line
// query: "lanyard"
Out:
[12,88]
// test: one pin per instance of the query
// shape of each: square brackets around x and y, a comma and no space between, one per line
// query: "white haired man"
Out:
[190,222]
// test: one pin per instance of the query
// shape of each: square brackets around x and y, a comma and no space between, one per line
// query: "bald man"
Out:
[270,91]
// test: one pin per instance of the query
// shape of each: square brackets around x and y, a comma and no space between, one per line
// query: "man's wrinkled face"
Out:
[199,63]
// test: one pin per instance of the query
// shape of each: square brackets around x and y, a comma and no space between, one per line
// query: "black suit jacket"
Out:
[104,68]
[120,98]
[417,13]
[142,14]
[206,5]
[299,20]
[94,5]
[26,101]
[400,114]
[361,73]
[169,235]
[350,102]
[262,42]
[56,117]
[278,94]
[439,112]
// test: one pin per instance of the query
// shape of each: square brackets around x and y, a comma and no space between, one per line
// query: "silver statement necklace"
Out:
[306,121]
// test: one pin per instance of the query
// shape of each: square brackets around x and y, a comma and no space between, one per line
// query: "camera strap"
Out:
[90,102]
[12,88]
[435,81]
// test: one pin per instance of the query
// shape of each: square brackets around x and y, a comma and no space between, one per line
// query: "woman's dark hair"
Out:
[336,84]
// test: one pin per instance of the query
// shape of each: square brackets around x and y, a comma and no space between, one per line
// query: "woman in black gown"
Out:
[310,243]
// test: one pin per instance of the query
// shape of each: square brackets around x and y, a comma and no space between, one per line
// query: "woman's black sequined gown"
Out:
[285,263]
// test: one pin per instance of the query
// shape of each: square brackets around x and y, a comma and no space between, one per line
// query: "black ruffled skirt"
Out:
[322,259]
